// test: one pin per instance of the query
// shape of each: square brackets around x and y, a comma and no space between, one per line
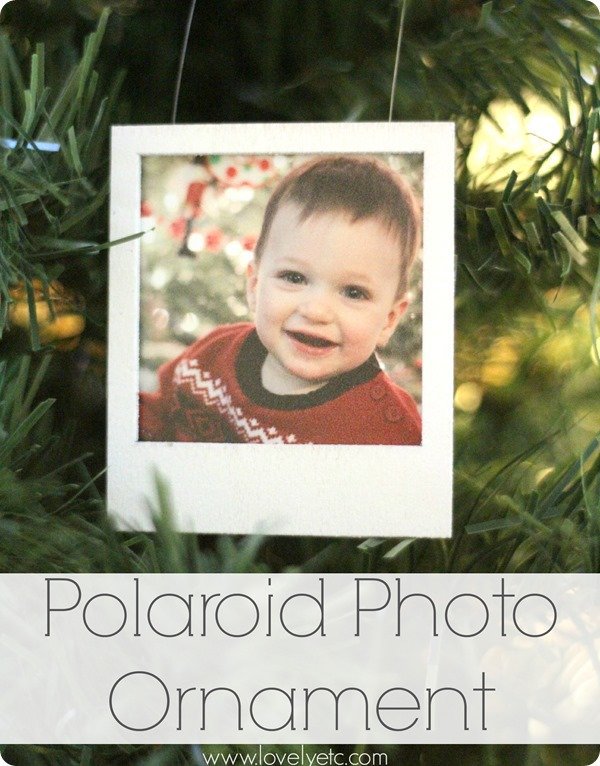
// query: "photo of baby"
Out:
[329,278]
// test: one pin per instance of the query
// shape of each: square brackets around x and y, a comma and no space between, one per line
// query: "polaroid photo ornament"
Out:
[281,336]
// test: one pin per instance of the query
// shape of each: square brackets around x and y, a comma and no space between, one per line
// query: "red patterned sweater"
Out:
[213,392]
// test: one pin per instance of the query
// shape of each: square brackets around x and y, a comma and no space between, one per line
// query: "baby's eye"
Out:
[293,277]
[356,293]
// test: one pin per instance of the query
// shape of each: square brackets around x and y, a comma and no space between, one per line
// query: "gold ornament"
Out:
[58,310]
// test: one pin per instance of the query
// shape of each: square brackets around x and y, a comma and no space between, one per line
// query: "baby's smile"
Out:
[311,341]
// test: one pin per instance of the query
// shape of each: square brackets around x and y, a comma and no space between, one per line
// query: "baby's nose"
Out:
[316,308]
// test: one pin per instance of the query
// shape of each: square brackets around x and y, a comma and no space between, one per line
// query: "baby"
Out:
[327,288]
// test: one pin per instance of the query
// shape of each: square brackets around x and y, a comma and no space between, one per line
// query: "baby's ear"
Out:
[251,282]
[394,316]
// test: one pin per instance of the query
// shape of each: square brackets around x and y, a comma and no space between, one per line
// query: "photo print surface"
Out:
[317,311]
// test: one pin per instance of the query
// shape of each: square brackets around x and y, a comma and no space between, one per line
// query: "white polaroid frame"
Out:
[329,490]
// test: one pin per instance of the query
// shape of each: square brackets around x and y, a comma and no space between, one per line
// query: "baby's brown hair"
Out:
[359,186]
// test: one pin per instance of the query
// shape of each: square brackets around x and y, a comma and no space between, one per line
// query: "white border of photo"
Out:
[328,490]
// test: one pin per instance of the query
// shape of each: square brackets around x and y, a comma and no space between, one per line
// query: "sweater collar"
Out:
[248,366]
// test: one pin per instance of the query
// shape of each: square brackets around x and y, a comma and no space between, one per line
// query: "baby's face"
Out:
[324,296]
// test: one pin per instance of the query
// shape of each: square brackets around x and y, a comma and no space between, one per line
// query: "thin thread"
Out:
[397,62]
[186,37]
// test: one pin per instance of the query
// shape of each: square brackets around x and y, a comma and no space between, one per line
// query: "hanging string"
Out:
[397,61]
[187,36]
[178,79]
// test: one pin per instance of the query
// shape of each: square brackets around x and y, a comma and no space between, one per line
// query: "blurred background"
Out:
[520,82]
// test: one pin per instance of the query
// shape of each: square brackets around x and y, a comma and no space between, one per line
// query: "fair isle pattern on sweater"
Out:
[214,395]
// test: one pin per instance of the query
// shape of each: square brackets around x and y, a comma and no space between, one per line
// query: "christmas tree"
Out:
[520,81]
